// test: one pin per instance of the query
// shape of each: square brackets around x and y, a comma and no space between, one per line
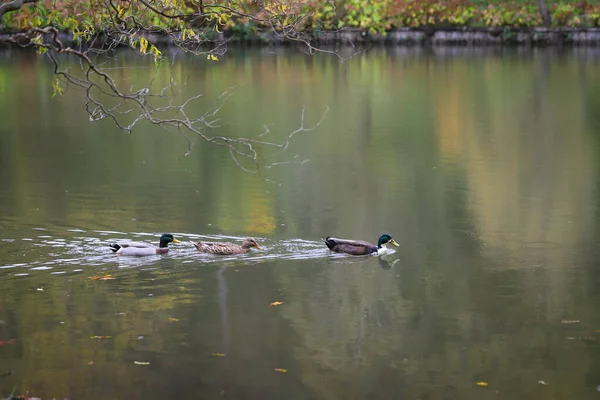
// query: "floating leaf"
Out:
[90,363]
[173,319]
[100,337]
[280,370]
[276,303]
[570,321]
[481,383]
[141,363]
[542,383]
[101,277]
[218,354]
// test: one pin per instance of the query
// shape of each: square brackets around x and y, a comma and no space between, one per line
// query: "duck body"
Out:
[225,248]
[359,247]
[141,249]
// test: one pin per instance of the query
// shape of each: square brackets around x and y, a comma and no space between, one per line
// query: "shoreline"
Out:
[425,36]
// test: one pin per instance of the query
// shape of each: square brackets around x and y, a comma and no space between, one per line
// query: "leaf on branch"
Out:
[143,45]
[212,57]
[57,88]
[156,53]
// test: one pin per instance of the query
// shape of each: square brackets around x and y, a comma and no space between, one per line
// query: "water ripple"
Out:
[42,254]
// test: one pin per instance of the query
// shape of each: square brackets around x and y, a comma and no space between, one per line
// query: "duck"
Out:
[359,247]
[140,249]
[225,248]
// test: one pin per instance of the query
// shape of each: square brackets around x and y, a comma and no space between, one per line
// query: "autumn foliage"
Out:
[244,16]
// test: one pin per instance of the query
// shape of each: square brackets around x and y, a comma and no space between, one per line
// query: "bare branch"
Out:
[128,106]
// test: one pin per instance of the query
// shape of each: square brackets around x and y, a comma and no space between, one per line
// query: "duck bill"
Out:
[258,247]
[394,242]
[176,241]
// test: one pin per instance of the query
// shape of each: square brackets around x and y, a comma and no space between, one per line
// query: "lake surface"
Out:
[484,164]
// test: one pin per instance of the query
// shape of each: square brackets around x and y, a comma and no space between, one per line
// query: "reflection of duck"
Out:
[387,265]
[143,249]
[359,247]
[224,248]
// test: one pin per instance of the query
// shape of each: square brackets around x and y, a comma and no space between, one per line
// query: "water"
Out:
[483,164]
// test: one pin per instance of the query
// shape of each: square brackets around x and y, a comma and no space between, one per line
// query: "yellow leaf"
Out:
[218,355]
[173,319]
[143,45]
[101,277]
[482,383]
[276,303]
[141,362]
[280,370]
[57,88]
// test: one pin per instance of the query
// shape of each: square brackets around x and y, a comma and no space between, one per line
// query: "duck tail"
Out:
[196,245]
[114,247]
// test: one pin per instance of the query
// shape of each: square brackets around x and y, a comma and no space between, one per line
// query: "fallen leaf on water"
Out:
[100,337]
[101,277]
[542,383]
[173,319]
[218,354]
[9,341]
[276,303]
[570,321]
[482,383]
[141,362]
[91,363]
[40,289]
[280,369]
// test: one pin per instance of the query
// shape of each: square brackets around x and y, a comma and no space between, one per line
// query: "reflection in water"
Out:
[481,162]
[223,308]
[386,265]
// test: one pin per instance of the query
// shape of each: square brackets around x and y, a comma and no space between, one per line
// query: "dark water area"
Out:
[482,163]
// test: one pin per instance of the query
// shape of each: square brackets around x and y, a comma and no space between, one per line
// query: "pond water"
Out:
[484,164]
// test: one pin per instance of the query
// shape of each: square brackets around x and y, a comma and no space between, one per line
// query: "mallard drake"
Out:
[359,247]
[224,248]
[143,249]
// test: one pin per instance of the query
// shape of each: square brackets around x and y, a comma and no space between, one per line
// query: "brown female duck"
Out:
[225,248]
